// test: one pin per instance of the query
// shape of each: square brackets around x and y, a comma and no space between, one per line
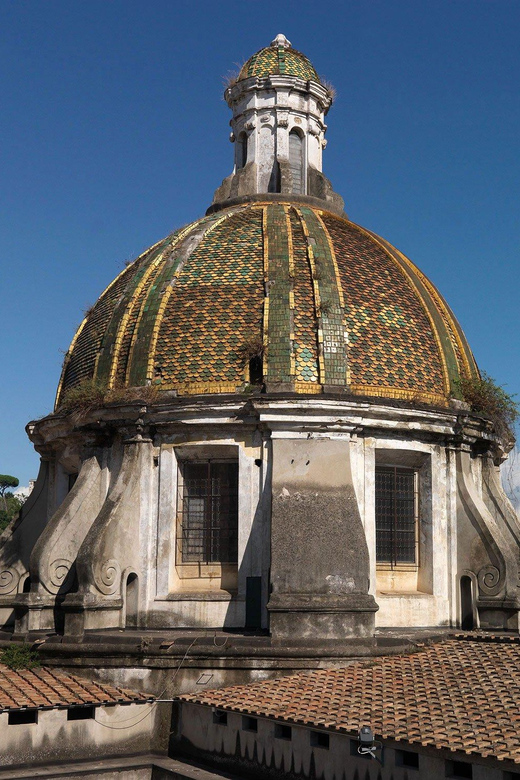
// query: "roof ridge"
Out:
[496,638]
[455,695]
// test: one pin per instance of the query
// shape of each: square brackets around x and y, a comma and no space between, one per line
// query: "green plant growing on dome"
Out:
[231,78]
[325,307]
[332,92]
[19,655]
[145,393]
[317,273]
[486,397]
[252,352]
[90,394]
[252,347]
[82,398]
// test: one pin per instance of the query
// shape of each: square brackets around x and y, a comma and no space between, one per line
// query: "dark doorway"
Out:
[467,621]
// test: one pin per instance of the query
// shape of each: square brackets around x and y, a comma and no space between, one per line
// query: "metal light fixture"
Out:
[367,744]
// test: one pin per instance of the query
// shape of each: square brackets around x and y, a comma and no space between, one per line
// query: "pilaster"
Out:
[319,557]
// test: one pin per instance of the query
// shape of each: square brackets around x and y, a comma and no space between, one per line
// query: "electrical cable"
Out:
[215,641]
[158,700]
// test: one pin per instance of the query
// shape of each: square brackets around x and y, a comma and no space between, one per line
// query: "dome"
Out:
[323,304]
[279,59]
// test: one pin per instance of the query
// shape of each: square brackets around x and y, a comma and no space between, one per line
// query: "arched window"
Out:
[296,162]
[241,150]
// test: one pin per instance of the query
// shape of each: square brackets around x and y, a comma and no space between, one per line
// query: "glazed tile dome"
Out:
[278,59]
[328,305]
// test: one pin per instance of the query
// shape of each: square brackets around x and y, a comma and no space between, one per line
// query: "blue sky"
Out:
[114,132]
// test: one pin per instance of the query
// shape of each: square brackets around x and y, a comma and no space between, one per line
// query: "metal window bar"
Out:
[209,527]
[396,516]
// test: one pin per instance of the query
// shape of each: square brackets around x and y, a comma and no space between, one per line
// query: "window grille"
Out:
[209,512]
[396,516]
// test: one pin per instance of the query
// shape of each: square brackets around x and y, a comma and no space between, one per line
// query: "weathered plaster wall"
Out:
[265,112]
[485,549]
[120,520]
[18,540]
[262,755]
[417,597]
[212,595]
[116,730]
[54,554]
[320,562]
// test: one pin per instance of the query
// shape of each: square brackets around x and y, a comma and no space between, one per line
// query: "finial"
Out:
[282,41]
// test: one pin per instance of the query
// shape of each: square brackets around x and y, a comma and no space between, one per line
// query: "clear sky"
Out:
[114,132]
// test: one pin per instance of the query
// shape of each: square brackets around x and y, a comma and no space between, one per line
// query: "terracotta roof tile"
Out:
[461,694]
[49,688]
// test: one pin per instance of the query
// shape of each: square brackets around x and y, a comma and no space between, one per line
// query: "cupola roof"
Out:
[326,304]
[279,59]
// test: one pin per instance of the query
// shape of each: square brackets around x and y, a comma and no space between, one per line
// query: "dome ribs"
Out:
[63,384]
[118,329]
[129,329]
[438,331]
[393,350]
[305,332]
[84,350]
[141,360]
[321,304]
[216,310]
[279,304]
[329,302]
[143,301]
[448,348]
[463,352]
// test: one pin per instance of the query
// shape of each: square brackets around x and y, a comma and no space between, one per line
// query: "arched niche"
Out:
[131,600]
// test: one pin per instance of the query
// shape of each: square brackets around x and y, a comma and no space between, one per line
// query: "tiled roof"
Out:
[461,694]
[344,308]
[43,687]
[278,60]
